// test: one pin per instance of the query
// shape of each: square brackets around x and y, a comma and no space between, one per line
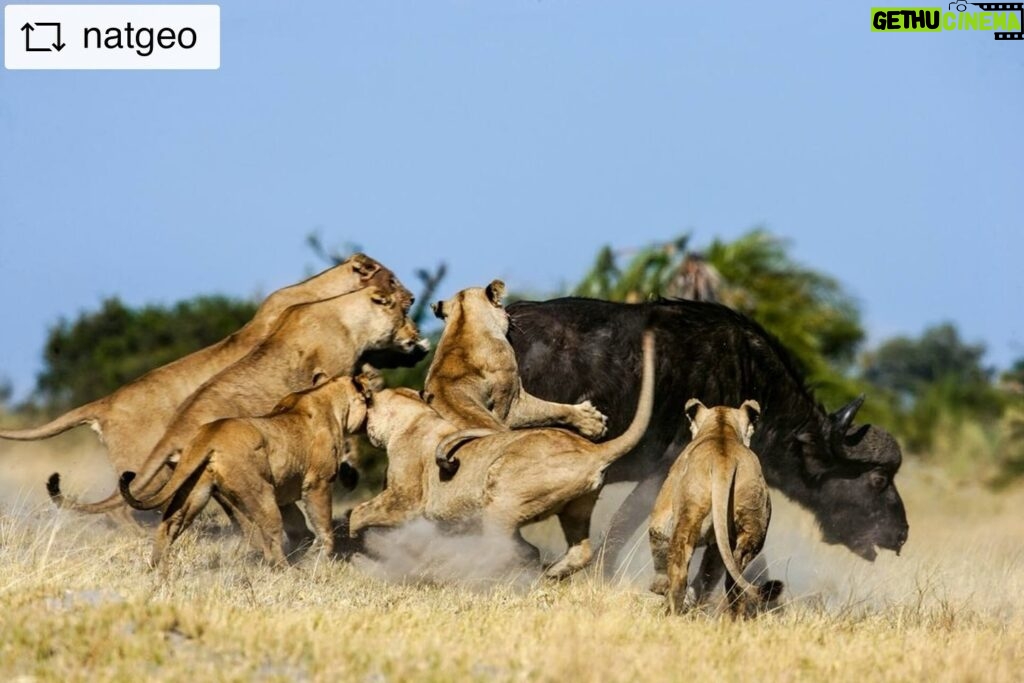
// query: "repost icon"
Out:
[31,31]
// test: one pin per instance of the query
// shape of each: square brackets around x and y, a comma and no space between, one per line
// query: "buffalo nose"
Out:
[902,539]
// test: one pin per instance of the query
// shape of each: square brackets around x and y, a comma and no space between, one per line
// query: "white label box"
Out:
[112,36]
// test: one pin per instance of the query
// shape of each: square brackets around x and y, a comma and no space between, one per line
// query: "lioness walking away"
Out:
[255,464]
[715,486]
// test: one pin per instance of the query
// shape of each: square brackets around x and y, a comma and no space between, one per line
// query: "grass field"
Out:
[77,602]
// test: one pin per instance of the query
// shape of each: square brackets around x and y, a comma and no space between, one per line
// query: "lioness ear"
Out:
[753,410]
[495,291]
[364,265]
[438,308]
[693,406]
[363,387]
[382,298]
[370,378]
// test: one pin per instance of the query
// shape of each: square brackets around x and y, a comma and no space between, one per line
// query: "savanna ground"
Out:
[77,601]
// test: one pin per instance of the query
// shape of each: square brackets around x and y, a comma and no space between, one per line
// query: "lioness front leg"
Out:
[385,510]
[530,411]
[317,497]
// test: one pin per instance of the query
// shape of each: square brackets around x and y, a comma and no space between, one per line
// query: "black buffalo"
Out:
[573,349]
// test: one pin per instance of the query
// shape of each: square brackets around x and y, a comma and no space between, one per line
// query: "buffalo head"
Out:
[851,471]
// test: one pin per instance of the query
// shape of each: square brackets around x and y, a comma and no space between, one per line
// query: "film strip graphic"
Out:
[1003,7]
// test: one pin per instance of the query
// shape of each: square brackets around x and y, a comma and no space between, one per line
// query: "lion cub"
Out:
[715,486]
[474,383]
[255,464]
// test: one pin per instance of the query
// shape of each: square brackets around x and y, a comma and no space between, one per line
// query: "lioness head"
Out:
[383,321]
[742,419]
[479,304]
[390,410]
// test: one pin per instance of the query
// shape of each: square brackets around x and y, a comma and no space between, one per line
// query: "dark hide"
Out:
[574,349]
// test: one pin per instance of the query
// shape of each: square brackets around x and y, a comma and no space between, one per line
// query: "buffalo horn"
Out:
[843,418]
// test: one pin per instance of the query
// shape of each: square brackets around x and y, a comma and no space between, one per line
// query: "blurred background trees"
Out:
[101,350]
[932,390]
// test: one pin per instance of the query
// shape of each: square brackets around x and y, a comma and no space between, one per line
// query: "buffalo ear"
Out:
[382,298]
[364,265]
[753,410]
[495,292]
[693,406]
[438,308]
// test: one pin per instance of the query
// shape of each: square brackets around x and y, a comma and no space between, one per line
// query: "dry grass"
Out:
[78,603]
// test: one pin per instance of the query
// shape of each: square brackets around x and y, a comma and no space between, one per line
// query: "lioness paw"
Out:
[589,421]
[659,584]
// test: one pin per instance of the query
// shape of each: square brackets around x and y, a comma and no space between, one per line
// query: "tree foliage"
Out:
[907,365]
[806,309]
[100,351]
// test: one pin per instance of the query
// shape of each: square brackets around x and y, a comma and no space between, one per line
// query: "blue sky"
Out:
[512,138]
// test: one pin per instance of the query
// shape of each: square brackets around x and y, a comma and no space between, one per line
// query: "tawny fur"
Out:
[256,464]
[473,381]
[505,479]
[319,339]
[132,419]
[715,496]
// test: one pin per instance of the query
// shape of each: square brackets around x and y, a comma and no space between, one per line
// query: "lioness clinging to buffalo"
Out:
[715,496]
[131,420]
[320,339]
[255,464]
[474,381]
[505,480]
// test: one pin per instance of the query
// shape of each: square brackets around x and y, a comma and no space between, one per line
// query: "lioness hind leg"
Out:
[710,573]
[680,552]
[180,514]
[575,521]
[659,535]
[260,508]
[742,602]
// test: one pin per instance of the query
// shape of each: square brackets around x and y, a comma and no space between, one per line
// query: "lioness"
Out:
[473,381]
[256,464]
[505,480]
[319,339]
[131,420]
[714,486]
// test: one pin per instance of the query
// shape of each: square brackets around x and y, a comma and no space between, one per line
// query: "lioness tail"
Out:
[87,414]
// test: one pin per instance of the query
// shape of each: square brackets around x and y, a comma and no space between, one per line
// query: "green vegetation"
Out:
[102,350]
[933,391]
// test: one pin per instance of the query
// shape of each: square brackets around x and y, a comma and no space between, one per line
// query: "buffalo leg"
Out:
[630,516]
